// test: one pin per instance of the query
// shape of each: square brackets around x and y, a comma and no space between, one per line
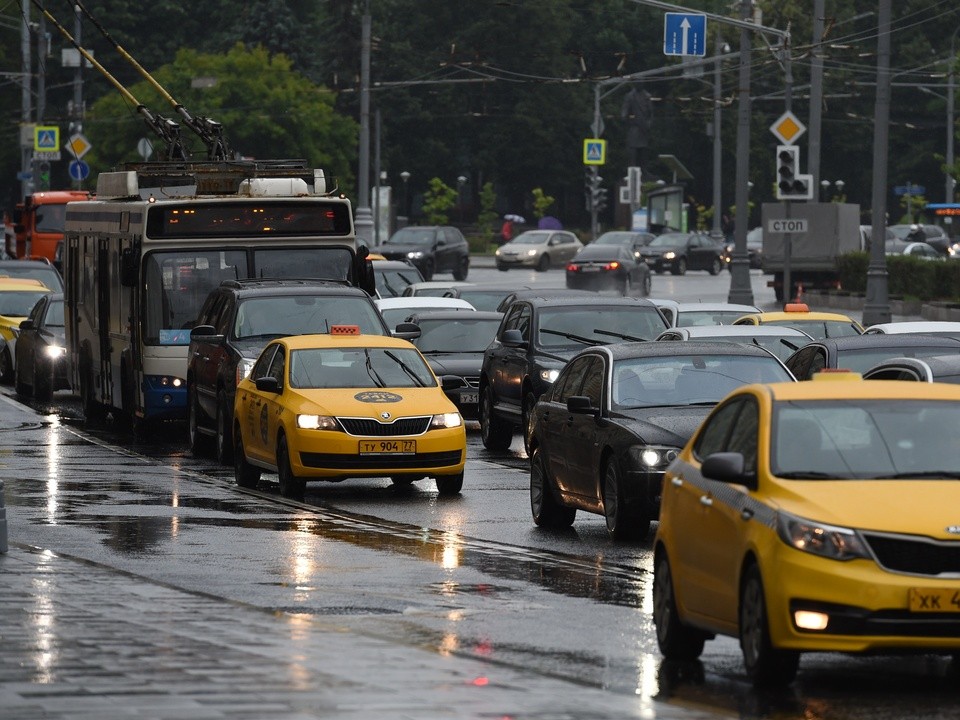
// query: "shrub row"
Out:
[906,276]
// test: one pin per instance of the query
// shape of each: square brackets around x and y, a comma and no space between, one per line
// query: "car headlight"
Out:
[669,255]
[653,457]
[497,253]
[244,368]
[549,375]
[446,420]
[316,422]
[531,253]
[829,541]
[54,351]
[415,255]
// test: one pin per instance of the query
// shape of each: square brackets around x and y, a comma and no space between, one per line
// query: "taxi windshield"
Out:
[877,439]
[819,329]
[359,368]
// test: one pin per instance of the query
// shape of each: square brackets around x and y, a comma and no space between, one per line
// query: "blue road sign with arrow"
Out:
[685,34]
[79,170]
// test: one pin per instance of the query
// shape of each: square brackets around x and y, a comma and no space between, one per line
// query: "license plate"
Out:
[470,398]
[588,268]
[388,447]
[936,600]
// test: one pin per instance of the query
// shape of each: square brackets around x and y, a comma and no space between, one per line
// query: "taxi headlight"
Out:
[829,541]
[653,457]
[54,351]
[244,368]
[670,255]
[446,420]
[549,375]
[316,422]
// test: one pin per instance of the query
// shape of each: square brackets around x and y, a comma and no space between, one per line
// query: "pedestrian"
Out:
[916,234]
[506,231]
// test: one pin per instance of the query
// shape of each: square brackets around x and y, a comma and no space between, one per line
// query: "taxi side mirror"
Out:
[268,384]
[728,467]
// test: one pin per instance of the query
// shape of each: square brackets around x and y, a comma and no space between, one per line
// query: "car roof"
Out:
[456,316]
[735,331]
[851,342]
[392,264]
[416,301]
[713,307]
[289,286]
[913,326]
[590,299]
[779,315]
[673,348]
[305,342]
[834,386]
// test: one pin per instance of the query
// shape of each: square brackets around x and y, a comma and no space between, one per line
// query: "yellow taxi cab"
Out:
[17,298]
[816,516]
[818,325]
[329,407]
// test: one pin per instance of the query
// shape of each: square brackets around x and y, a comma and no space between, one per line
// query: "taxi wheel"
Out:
[199,443]
[765,664]
[290,485]
[547,512]
[676,640]
[495,433]
[449,484]
[621,524]
[246,475]
[528,402]
[6,367]
[223,445]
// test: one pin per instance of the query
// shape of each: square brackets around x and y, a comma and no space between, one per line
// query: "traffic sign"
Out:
[780,226]
[594,151]
[46,138]
[788,128]
[909,189]
[145,148]
[79,170]
[685,34]
[78,145]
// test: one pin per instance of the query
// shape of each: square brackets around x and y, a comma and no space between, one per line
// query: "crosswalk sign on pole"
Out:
[46,138]
[594,151]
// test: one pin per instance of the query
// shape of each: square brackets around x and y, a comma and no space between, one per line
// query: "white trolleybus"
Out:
[142,256]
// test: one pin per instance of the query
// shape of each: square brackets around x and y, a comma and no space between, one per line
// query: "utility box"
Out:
[817,234]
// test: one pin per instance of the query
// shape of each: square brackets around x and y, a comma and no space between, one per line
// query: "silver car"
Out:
[539,249]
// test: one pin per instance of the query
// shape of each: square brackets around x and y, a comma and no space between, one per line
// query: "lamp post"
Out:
[405,176]
[721,48]
[461,181]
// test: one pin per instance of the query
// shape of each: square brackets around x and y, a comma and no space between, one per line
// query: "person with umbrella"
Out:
[506,230]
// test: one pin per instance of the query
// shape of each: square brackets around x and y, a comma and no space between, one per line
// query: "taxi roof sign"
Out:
[344,329]
[788,128]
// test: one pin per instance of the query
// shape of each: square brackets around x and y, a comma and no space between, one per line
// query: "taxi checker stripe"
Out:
[726,494]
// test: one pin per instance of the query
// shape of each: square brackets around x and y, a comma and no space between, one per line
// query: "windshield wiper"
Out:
[571,336]
[619,335]
[946,474]
[406,368]
[377,380]
[809,474]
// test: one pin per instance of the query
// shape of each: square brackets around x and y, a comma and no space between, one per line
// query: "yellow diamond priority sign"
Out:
[788,128]
[78,145]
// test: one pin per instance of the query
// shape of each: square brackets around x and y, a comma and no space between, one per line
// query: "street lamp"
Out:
[461,181]
[825,190]
[405,176]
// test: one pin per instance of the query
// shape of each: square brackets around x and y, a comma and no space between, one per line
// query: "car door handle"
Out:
[746,514]
[706,500]
[676,481]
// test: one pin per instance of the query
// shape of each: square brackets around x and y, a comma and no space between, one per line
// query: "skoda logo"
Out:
[377,396]
[384,416]
[953,529]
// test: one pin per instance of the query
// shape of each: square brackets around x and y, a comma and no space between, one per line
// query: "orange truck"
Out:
[38,224]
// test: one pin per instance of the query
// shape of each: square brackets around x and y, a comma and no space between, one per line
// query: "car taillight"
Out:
[611,266]
[573,268]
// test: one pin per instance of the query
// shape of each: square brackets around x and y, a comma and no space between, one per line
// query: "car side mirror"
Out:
[728,467]
[26,324]
[268,384]
[406,331]
[581,405]
[450,382]
[513,338]
[206,334]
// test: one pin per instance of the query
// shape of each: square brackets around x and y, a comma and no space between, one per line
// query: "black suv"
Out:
[534,341]
[236,322]
[433,249]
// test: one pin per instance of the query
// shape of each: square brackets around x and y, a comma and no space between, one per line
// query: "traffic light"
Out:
[791,185]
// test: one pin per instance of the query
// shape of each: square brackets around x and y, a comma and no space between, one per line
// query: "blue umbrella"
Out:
[548,222]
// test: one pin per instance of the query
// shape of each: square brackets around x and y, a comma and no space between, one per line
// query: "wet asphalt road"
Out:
[470,574]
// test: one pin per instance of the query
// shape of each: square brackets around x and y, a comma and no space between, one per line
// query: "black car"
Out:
[861,352]
[536,338]
[633,240]
[235,323]
[41,350]
[42,270]
[453,344]
[679,252]
[433,249]
[601,437]
[484,296]
[527,293]
[608,267]
[392,277]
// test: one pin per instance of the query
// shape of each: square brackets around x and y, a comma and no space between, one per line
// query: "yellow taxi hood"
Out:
[916,507]
[371,402]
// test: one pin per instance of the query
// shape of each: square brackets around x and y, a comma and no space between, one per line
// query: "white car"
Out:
[781,341]
[923,327]
[397,309]
[689,314]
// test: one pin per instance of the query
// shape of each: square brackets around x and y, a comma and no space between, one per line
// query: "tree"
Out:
[541,203]
[437,201]
[267,110]
[488,216]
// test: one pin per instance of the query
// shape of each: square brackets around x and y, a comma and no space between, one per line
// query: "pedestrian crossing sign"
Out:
[594,151]
[46,138]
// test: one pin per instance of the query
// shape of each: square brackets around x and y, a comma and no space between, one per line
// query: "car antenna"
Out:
[165,128]
[209,131]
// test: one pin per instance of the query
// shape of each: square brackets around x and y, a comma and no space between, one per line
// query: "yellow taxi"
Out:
[818,325]
[816,516]
[329,407]
[17,298]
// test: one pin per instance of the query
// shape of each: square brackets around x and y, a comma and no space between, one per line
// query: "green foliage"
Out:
[541,203]
[906,276]
[437,201]
[267,111]
[488,216]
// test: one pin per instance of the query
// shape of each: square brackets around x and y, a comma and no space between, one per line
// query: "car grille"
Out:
[915,555]
[332,461]
[472,380]
[368,427]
